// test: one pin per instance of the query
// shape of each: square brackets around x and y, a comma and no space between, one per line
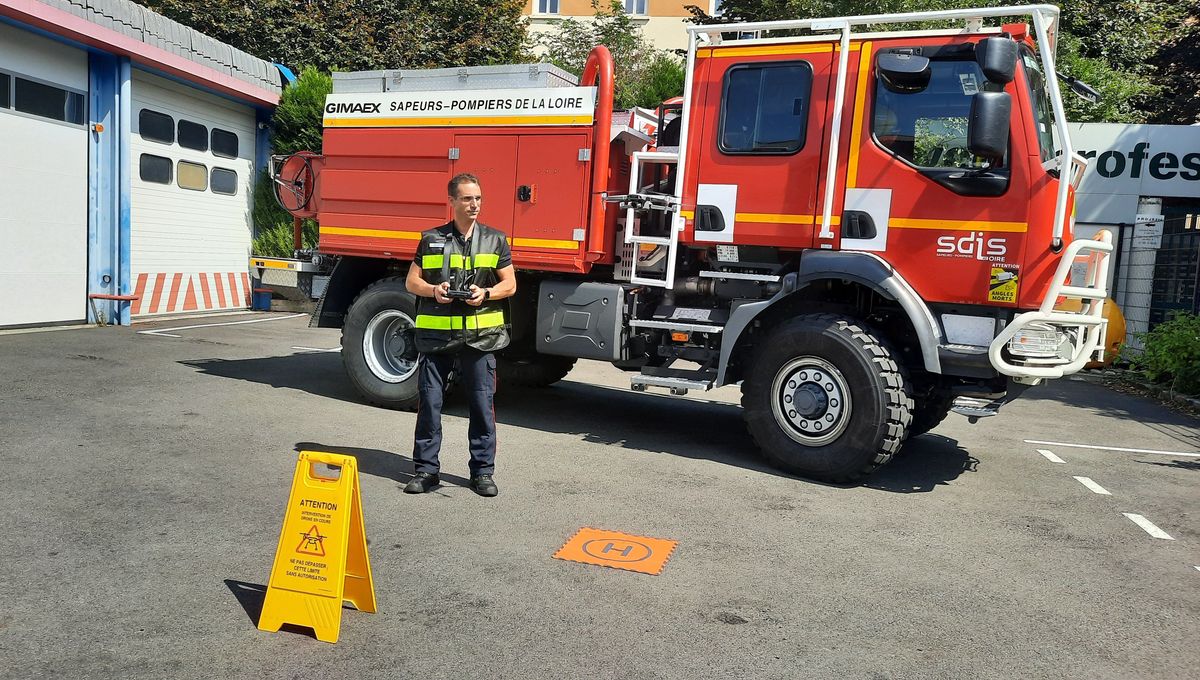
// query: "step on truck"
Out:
[865,228]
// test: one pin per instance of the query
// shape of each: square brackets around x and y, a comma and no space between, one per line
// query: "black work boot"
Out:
[484,486]
[422,482]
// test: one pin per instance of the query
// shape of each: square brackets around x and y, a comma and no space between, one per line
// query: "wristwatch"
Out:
[487,294]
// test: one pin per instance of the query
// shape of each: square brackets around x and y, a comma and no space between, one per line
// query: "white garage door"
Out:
[192,158]
[43,180]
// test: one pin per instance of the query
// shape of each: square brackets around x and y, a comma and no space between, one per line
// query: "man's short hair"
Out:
[460,178]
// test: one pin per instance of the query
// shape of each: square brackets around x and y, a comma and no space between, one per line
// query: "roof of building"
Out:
[166,44]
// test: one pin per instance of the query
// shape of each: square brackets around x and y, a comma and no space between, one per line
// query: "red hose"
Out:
[599,67]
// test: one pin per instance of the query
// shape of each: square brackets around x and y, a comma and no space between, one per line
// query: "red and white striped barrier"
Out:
[173,292]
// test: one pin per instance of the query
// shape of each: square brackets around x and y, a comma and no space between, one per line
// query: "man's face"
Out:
[467,203]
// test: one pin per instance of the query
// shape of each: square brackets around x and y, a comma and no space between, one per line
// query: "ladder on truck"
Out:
[1045,24]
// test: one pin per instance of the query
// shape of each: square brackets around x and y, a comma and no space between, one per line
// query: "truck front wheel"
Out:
[824,399]
[378,347]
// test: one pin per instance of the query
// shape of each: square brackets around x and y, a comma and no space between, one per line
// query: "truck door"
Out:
[534,189]
[954,225]
[761,143]
[493,159]
[551,194]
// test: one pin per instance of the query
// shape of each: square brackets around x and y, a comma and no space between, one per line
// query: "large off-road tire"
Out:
[825,399]
[932,401]
[536,370]
[378,345]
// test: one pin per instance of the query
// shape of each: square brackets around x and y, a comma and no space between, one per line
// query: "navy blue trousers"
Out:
[478,374]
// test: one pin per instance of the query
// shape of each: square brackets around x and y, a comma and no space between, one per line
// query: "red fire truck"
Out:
[865,230]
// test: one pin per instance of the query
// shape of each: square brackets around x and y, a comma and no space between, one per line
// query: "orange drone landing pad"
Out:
[617,550]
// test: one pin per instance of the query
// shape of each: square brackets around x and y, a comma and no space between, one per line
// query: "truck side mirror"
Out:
[987,130]
[997,58]
[1082,89]
[902,72]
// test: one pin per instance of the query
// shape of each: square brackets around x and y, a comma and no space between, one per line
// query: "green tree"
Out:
[1172,354]
[645,76]
[361,34]
[1177,68]
[296,126]
[1107,43]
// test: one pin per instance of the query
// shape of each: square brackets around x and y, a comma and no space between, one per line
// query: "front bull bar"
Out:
[1089,323]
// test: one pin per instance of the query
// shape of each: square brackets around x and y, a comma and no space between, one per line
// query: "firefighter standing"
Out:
[461,269]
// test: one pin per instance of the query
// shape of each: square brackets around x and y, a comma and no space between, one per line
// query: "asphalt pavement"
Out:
[146,475]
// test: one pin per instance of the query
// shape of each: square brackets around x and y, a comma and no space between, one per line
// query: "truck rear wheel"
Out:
[378,344]
[824,399]
[538,370]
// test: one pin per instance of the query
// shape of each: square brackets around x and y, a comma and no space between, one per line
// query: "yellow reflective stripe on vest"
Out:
[485,320]
[457,323]
[437,323]
[436,261]
[487,260]
[459,262]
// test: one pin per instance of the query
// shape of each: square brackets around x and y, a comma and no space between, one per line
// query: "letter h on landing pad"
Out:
[624,552]
[322,554]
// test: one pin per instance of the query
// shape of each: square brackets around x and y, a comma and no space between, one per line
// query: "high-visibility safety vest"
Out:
[443,256]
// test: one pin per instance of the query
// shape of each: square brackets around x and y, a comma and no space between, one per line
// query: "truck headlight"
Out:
[1036,340]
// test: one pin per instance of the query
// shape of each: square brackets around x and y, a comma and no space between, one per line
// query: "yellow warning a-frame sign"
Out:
[322,554]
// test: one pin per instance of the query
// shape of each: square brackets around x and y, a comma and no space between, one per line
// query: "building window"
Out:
[154,169]
[635,6]
[5,90]
[156,127]
[547,6]
[716,8]
[192,176]
[193,135]
[224,143]
[928,127]
[764,108]
[48,101]
[224,182]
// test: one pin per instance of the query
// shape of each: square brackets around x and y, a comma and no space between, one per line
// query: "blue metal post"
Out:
[103,135]
[124,169]
[109,124]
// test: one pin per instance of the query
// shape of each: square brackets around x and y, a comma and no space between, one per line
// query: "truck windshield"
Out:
[1043,114]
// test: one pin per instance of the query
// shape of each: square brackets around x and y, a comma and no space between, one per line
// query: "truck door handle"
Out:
[709,218]
[858,224]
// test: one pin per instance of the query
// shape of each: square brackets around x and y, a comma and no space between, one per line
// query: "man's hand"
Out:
[439,292]
[477,296]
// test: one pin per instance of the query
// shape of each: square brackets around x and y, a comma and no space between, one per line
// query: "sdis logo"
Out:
[975,245]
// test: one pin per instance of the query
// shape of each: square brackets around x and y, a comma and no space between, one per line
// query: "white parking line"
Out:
[163,332]
[1148,526]
[1050,456]
[317,349]
[1113,448]
[1095,488]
